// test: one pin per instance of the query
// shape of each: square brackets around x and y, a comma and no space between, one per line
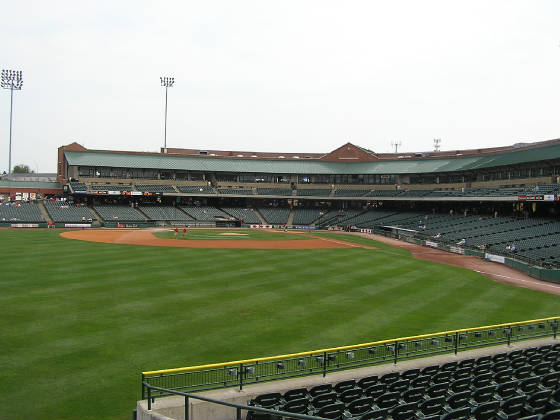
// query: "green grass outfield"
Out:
[81,320]
[226,234]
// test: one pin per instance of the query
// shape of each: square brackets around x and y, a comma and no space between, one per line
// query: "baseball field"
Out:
[80,320]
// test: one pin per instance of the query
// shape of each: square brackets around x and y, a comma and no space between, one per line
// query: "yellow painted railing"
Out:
[344,348]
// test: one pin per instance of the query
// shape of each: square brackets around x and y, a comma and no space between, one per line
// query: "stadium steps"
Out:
[96,216]
[259,215]
[44,212]
[290,218]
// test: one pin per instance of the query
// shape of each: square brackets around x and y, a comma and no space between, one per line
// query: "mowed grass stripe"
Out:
[83,319]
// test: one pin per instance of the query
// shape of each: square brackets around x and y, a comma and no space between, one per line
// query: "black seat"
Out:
[255,415]
[554,400]
[545,349]
[413,395]
[528,385]
[486,411]
[462,373]
[532,417]
[512,407]
[437,390]
[449,366]
[501,365]
[350,395]
[359,407]
[266,400]
[410,374]
[319,390]
[332,411]
[552,356]
[467,363]
[460,385]
[378,414]
[375,391]
[483,395]
[551,415]
[296,406]
[500,357]
[389,378]
[430,370]
[530,351]
[324,399]
[522,372]
[388,400]
[503,376]
[535,359]
[507,390]
[432,406]
[459,414]
[550,380]
[484,360]
[537,402]
[459,400]
[295,394]
[482,369]
[368,381]
[519,362]
[340,387]
[442,377]
[482,381]
[515,354]
[399,386]
[421,381]
[404,411]
[542,368]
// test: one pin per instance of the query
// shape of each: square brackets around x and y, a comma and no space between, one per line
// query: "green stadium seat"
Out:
[404,411]
[512,408]
[486,411]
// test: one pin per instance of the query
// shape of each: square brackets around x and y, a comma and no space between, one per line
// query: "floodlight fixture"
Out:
[166,82]
[13,80]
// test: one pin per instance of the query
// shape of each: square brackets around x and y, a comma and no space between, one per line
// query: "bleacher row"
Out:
[549,189]
[522,384]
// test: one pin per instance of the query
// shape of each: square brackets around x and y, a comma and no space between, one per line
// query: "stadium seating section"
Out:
[205,213]
[111,187]
[235,191]
[198,189]
[275,216]
[274,191]
[522,384]
[63,212]
[154,188]
[243,214]
[110,213]
[22,212]
[303,216]
[165,213]
[315,192]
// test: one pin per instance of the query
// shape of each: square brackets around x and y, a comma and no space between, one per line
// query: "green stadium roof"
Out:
[311,167]
[31,184]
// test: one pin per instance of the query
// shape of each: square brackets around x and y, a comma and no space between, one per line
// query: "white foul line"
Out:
[518,279]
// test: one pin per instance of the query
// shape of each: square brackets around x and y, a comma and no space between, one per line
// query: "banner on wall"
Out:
[495,258]
[432,244]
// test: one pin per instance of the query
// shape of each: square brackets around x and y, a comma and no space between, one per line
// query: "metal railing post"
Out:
[241,373]
[456,342]
[149,398]
[554,328]
[238,413]
[143,394]
[325,361]
[508,333]
[396,351]
[186,408]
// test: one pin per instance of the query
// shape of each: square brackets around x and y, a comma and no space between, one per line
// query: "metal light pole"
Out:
[166,82]
[12,80]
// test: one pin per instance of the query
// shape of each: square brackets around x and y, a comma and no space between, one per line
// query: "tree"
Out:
[22,169]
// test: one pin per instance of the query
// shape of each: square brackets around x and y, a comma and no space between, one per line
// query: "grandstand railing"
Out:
[324,361]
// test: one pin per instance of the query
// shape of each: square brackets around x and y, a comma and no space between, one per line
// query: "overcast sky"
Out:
[289,76]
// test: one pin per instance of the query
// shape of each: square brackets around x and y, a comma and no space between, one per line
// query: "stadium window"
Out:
[86,171]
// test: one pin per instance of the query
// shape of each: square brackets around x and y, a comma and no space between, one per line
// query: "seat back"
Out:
[484,360]
[442,377]
[459,414]
[499,357]
[404,411]
[542,368]
[481,369]
[332,411]
[360,406]
[413,395]
[421,381]
[501,365]
[294,394]
[389,378]
[522,372]
[368,381]
[460,385]
[350,395]
[320,389]
[388,400]
[459,400]
[486,411]
[449,366]
[539,400]
[430,370]
[529,385]
[513,406]
[467,363]
[344,386]
[266,400]
[324,400]
[503,376]
[482,381]
[432,406]
[296,406]
[375,391]
[507,389]
[375,415]
[437,390]
[410,374]
[399,386]
[462,373]
[551,415]
[484,394]
[551,380]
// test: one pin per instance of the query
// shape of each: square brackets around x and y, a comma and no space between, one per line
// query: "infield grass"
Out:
[81,320]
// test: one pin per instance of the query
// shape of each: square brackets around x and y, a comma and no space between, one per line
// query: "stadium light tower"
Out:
[166,82]
[396,144]
[13,80]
